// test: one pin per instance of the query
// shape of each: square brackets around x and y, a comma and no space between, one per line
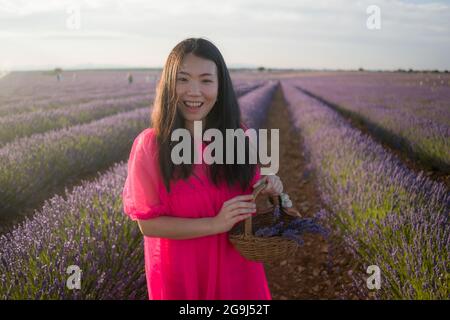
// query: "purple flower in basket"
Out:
[277,212]
[279,226]
[292,234]
[270,231]
[301,226]
[266,232]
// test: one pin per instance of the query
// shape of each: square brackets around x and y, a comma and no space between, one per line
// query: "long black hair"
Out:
[225,114]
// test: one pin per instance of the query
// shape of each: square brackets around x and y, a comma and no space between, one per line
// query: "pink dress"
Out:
[203,268]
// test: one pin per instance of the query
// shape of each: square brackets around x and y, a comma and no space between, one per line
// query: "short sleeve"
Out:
[141,197]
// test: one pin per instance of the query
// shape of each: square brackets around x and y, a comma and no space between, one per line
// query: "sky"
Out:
[308,34]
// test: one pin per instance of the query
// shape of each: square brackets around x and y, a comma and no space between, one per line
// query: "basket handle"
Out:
[248,222]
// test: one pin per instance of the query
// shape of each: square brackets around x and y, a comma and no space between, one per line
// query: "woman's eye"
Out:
[185,79]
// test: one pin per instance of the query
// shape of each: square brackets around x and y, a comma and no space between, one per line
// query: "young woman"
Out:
[185,211]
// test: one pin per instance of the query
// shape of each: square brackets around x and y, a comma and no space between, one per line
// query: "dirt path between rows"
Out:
[318,271]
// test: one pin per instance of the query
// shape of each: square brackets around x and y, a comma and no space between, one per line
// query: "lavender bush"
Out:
[243,88]
[88,230]
[254,105]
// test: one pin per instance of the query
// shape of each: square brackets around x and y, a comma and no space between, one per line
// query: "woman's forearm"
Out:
[177,228]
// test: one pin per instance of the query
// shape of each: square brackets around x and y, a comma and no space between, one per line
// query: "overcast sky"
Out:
[316,34]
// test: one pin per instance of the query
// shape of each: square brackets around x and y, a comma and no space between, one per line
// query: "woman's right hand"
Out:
[233,211]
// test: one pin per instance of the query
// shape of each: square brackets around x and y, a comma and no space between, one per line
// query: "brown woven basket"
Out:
[264,249]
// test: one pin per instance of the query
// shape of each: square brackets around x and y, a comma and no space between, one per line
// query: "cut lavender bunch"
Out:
[293,230]
[267,232]
[277,212]
[308,225]
[293,235]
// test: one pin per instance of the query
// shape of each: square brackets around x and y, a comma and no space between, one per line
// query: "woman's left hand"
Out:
[274,185]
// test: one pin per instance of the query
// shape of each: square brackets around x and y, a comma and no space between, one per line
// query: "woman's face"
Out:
[197,88]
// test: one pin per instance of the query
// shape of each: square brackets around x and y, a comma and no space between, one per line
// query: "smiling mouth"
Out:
[193,104]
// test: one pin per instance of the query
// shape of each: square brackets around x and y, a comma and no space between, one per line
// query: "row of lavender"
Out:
[390,216]
[35,167]
[255,103]
[26,106]
[408,112]
[87,229]
[41,88]
[425,96]
[242,88]
[26,124]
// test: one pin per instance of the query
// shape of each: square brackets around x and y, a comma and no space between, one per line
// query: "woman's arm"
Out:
[177,228]
[233,211]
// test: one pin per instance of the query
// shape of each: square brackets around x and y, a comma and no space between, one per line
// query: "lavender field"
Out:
[388,215]
[64,145]
[410,112]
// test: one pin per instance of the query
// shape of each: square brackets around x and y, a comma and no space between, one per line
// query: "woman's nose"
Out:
[194,88]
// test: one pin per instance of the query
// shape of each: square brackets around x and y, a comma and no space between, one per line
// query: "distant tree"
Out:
[361,69]
[260,69]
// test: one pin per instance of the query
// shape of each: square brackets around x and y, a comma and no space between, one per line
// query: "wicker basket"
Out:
[264,249]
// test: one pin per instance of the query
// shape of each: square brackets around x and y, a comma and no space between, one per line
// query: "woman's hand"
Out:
[274,185]
[233,211]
